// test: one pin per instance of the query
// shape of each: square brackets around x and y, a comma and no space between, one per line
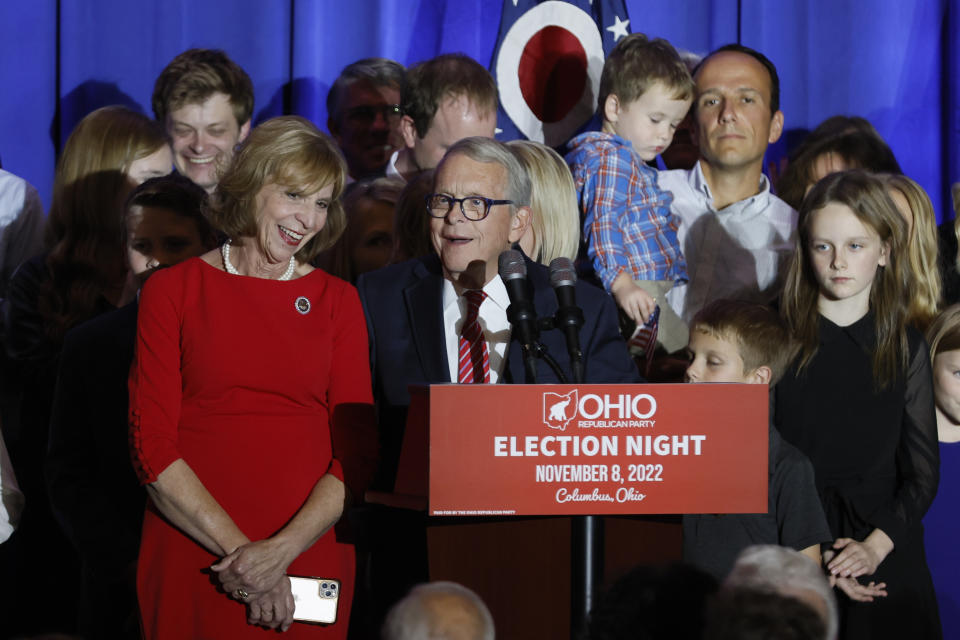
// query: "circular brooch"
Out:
[303,305]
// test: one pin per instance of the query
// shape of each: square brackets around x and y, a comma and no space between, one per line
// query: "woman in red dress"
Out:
[250,367]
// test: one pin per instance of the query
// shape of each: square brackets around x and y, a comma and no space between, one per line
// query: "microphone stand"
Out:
[586,532]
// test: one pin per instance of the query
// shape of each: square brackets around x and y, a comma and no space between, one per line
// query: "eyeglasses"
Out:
[439,205]
[365,114]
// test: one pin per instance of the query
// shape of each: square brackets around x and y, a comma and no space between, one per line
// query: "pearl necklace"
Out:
[225,252]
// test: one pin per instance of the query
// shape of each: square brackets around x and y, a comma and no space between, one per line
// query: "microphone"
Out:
[569,317]
[521,313]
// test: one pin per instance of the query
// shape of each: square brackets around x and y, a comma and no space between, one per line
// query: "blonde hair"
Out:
[555,223]
[84,229]
[921,251]
[955,193]
[943,334]
[867,197]
[287,151]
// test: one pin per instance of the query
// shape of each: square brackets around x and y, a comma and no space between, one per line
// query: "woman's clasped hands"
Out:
[255,574]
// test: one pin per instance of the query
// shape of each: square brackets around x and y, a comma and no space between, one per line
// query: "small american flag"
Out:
[645,339]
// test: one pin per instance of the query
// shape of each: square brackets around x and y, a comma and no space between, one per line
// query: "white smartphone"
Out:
[315,599]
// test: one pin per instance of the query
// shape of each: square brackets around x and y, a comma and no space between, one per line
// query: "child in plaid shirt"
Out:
[631,237]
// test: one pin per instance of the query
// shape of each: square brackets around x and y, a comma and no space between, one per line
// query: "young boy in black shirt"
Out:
[734,341]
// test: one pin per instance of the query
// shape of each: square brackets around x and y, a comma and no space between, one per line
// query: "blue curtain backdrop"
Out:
[893,62]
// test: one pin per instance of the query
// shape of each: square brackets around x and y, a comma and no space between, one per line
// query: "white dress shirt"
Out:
[391,170]
[11,500]
[737,252]
[493,321]
[21,225]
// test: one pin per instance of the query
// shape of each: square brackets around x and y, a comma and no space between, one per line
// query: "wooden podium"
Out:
[503,468]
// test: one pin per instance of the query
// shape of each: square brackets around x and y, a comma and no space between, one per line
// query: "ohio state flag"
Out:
[547,64]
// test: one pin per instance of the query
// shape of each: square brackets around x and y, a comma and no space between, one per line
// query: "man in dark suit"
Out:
[416,310]
[429,323]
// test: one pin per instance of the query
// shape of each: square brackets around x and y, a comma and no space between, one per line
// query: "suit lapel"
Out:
[424,300]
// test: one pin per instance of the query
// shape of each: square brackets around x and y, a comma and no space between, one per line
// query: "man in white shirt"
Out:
[444,100]
[11,500]
[21,225]
[736,236]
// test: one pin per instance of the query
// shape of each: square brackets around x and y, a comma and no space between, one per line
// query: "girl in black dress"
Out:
[859,402]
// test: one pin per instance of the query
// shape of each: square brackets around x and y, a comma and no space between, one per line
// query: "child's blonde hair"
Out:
[943,334]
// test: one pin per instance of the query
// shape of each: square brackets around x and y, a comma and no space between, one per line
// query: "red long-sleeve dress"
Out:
[240,377]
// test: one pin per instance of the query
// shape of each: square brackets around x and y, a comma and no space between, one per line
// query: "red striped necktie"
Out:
[474,364]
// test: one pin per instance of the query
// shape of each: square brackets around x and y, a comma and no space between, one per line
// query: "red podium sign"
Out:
[597,449]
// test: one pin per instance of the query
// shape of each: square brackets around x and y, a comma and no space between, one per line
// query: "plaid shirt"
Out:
[627,223]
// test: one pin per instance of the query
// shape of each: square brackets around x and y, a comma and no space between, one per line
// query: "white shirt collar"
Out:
[391,170]
[698,182]
[493,316]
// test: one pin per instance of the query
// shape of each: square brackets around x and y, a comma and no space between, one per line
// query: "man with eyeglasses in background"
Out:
[363,107]
[444,99]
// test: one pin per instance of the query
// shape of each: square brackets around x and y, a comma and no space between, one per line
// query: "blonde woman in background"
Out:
[942,521]
[81,274]
[915,207]
[949,232]
[555,228]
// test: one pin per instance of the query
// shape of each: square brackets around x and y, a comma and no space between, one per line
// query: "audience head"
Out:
[737,341]
[363,107]
[645,92]
[554,228]
[284,158]
[737,108]
[943,335]
[110,150]
[654,603]
[470,234]
[845,209]
[683,152]
[837,144]
[165,224]
[922,249]
[440,611]
[411,232]
[367,242]
[749,614]
[205,102]
[788,573]
[445,99]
